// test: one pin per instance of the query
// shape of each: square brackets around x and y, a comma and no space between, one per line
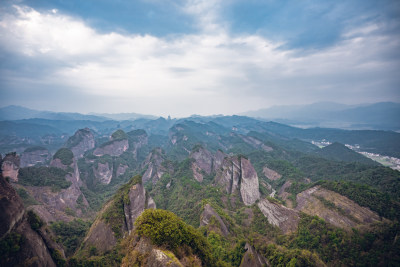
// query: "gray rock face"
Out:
[80,142]
[10,166]
[138,142]
[37,157]
[112,148]
[218,160]
[286,219]
[238,176]
[137,204]
[252,258]
[249,187]
[256,143]
[203,162]
[271,174]
[103,172]
[101,236]
[205,219]
[153,163]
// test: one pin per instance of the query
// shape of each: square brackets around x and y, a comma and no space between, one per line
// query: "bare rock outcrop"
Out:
[155,168]
[35,156]
[138,202]
[340,211]
[112,148]
[103,172]
[252,258]
[271,174]
[142,252]
[286,219]
[137,140]
[254,142]
[239,177]
[100,236]
[121,169]
[80,142]
[209,217]
[10,166]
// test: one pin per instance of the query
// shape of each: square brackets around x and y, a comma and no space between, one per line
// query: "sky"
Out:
[184,57]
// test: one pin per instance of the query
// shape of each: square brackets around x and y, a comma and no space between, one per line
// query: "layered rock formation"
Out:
[238,176]
[214,222]
[30,248]
[10,166]
[203,161]
[286,219]
[35,156]
[80,142]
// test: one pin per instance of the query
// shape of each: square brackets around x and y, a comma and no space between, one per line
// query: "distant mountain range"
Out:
[11,113]
[382,116]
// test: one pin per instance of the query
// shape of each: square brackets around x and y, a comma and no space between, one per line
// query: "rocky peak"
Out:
[80,142]
[10,166]
[103,172]
[117,145]
[253,258]
[238,176]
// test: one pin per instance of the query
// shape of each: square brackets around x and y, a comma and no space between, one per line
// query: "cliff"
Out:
[10,166]
[213,221]
[137,140]
[117,145]
[238,176]
[117,218]
[80,142]
[154,167]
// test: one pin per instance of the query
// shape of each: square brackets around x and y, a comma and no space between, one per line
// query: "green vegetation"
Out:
[166,229]
[70,234]
[119,135]
[44,176]
[34,220]
[65,155]
[340,152]
[10,245]
[378,246]
[366,196]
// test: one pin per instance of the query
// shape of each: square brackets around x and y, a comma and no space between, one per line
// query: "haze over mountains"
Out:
[379,116]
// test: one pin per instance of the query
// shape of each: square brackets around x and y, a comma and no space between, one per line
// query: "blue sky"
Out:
[197,57]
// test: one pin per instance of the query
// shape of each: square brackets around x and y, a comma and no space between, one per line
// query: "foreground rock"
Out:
[31,248]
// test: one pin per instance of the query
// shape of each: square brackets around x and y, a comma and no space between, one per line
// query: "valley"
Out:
[197,191]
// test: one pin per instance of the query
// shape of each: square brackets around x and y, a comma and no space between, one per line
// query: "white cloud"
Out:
[209,72]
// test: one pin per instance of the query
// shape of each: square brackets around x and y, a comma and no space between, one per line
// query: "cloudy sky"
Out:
[187,57]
